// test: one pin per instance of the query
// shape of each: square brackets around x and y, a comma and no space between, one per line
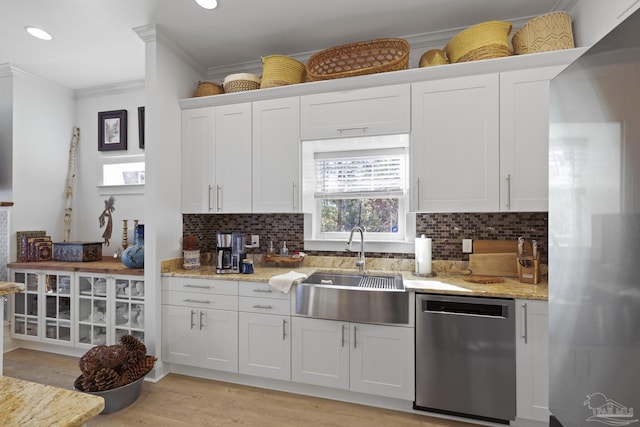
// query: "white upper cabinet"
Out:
[455,144]
[276,155]
[198,145]
[233,158]
[524,139]
[360,112]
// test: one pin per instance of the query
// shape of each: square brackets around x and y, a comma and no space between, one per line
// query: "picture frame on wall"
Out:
[141,127]
[112,130]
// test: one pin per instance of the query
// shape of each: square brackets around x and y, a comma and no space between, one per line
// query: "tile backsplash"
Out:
[446,229]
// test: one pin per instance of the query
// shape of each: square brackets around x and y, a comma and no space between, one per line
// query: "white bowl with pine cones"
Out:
[115,372]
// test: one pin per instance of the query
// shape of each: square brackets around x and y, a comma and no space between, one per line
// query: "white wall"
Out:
[593,19]
[43,121]
[6,132]
[88,202]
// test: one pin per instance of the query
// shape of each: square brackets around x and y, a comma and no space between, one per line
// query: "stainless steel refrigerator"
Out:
[594,235]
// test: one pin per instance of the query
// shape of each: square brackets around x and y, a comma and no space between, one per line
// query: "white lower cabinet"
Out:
[532,360]
[200,323]
[373,359]
[264,347]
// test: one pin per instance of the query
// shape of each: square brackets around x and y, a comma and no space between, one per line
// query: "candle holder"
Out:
[125,232]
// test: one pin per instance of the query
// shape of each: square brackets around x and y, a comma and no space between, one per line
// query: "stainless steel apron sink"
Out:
[353,297]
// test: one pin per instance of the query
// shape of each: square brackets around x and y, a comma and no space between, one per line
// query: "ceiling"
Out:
[95,45]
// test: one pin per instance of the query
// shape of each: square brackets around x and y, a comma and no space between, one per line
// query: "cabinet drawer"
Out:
[361,112]
[260,290]
[211,286]
[265,305]
[202,300]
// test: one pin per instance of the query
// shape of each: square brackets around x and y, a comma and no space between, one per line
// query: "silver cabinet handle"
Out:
[218,190]
[362,129]
[293,198]
[524,323]
[265,307]
[418,193]
[209,197]
[342,335]
[198,301]
[192,322]
[284,329]
[189,285]
[509,191]
[201,314]
[355,331]
[266,291]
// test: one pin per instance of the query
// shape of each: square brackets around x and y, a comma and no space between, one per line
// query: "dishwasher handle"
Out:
[465,308]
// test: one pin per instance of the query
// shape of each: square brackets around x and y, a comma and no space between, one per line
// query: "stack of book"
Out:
[33,246]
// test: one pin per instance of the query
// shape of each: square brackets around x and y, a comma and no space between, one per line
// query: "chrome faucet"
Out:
[361,262]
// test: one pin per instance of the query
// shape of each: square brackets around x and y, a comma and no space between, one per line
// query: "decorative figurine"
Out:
[106,217]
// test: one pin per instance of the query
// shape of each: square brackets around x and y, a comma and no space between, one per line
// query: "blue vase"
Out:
[133,256]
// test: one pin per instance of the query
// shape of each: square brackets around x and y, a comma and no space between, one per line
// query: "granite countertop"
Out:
[24,403]
[8,288]
[443,282]
[108,265]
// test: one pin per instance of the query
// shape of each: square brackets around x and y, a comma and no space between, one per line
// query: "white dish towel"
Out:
[283,282]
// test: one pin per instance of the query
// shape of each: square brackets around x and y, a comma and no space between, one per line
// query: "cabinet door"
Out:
[532,360]
[25,309]
[372,111]
[524,139]
[218,340]
[128,311]
[276,155]
[233,158]
[455,144]
[320,353]
[92,310]
[57,288]
[180,335]
[382,360]
[198,141]
[265,345]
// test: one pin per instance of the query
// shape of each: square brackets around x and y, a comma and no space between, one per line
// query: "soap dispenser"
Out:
[284,251]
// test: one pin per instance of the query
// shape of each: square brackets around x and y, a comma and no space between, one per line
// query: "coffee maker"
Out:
[230,251]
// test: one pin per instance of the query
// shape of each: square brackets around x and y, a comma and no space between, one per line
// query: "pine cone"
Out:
[107,379]
[112,356]
[139,370]
[90,361]
[131,343]
[88,384]
[132,358]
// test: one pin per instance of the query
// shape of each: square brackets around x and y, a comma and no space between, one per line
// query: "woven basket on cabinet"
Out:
[280,70]
[544,33]
[357,59]
[208,88]
[241,82]
[433,57]
[482,41]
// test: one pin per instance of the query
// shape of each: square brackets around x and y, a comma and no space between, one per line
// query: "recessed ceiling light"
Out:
[38,33]
[208,4]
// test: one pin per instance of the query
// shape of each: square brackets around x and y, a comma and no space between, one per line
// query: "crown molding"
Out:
[111,89]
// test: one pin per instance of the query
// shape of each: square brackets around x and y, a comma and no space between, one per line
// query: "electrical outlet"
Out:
[467,246]
[255,240]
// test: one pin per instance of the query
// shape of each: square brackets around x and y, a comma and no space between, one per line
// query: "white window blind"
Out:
[362,173]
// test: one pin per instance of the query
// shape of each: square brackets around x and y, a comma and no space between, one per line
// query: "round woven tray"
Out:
[482,41]
[280,70]
[544,33]
[357,59]
[208,88]
[433,57]
[241,82]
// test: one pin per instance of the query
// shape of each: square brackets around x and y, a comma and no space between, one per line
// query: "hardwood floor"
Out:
[178,400]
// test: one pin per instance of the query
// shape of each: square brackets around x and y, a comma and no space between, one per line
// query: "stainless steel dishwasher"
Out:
[466,357]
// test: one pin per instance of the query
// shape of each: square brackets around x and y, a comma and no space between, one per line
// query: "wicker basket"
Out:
[544,33]
[433,57]
[356,59]
[208,88]
[482,41]
[280,70]
[241,82]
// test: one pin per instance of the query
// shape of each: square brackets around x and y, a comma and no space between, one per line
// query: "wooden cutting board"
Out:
[495,246]
[484,280]
[496,264]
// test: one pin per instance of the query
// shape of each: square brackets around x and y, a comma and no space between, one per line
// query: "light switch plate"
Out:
[467,246]
[255,240]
